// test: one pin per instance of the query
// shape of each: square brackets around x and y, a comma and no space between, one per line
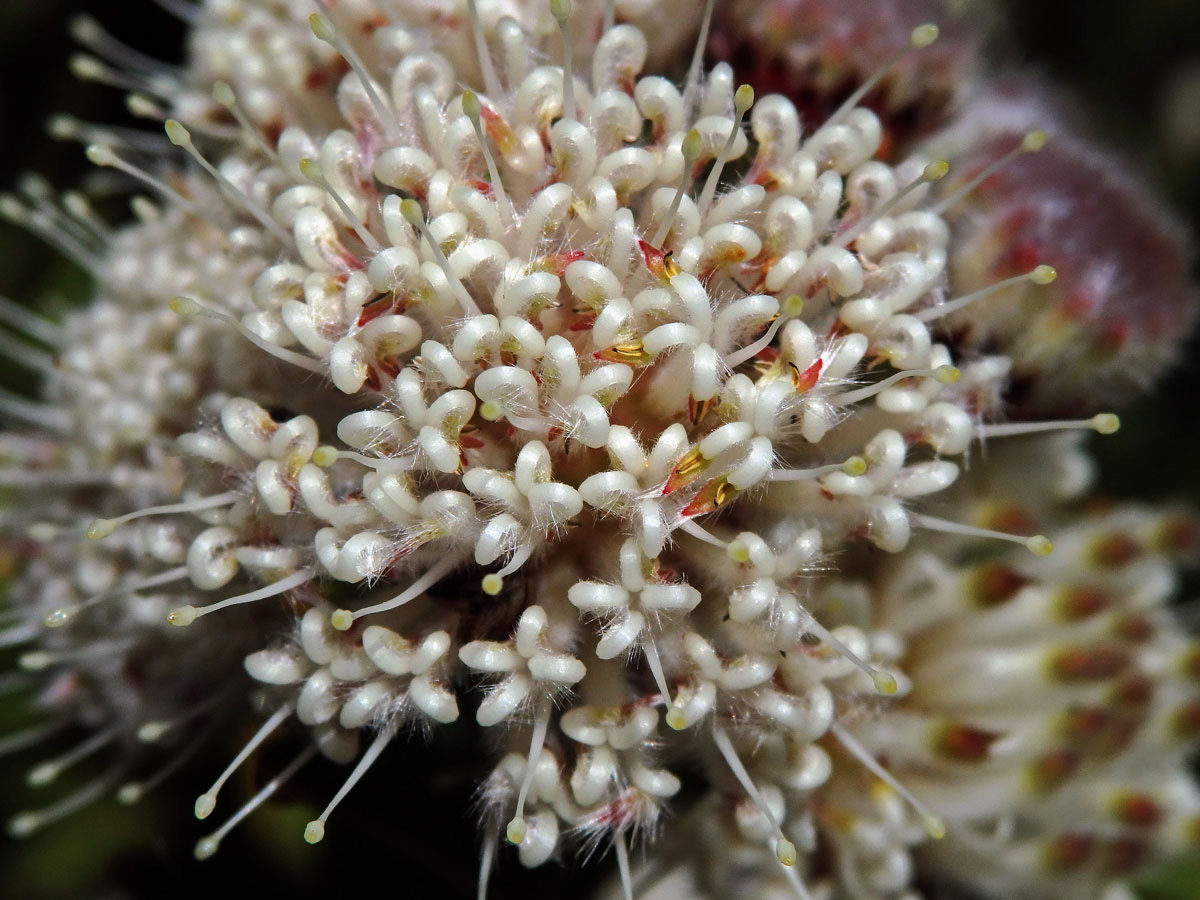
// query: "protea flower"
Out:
[619,400]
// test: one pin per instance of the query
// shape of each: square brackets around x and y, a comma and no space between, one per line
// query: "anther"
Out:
[474,112]
[415,216]
[1040,275]
[932,823]
[186,306]
[1038,544]
[183,616]
[935,171]
[342,619]
[45,773]
[1031,143]
[743,99]
[312,171]
[102,528]
[314,831]
[325,31]
[690,148]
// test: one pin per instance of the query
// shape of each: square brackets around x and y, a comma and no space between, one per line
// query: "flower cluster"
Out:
[622,400]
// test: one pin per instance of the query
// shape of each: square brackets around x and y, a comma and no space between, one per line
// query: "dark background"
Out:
[415,832]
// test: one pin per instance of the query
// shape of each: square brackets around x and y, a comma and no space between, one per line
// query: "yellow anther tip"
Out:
[855,465]
[321,28]
[1106,423]
[935,827]
[101,528]
[412,212]
[936,170]
[738,552]
[785,852]
[182,616]
[490,411]
[205,847]
[185,306]
[676,720]
[314,831]
[222,94]
[491,584]
[792,306]
[205,804]
[515,831]
[924,35]
[885,682]
[743,99]
[324,456]
[309,169]
[470,105]
[691,145]
[1039,545]
[947,374]
[342,619]
[1034,141]
[1043,275]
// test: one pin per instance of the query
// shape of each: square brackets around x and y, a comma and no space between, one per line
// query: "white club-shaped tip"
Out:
[205,804]
[1034,141]
[515,831]
[100,155]
[471,106]
[205,847]
[23,825]
[1106,423]
[936,170]
[314,831]
[151,732]
[743,98]
[129,794]
[101,528]
[342,619]
[42,775]
[934,826]
[322,28]
[785,852]
[182,616]
[223,94]
[923,35]
[1039,545]
[59,617]
[176,133]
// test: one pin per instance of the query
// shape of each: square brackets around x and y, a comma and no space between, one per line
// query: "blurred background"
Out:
[1135,68]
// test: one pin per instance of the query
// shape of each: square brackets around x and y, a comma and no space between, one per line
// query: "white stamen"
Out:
[185,615]
[105,157]
[854,465]
[92,35]
[790,308]
[884,682]
[102,528]
[315,830]
[415,216]
[59,617]
[326,31]
[16,741]
[785,850]
[17,316]
[1038,544]
[312,171]
[1102,423]
[942,374]
[692,85]
[43,223]
[342,619]
[933,824]
[186,306]
[1031,143]
[44,773]
[49,417]
[181,137]
[223,94]
[474,112]
[935,171]
[695,530]
[921,37]
[691,151]
[516,827]
[1041,275]
[485,864]
[623,864]
[561,10]
[207,846]
[25,824]
[490,82]
[743,99]
[207,801]
[656,670]
[88,68]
